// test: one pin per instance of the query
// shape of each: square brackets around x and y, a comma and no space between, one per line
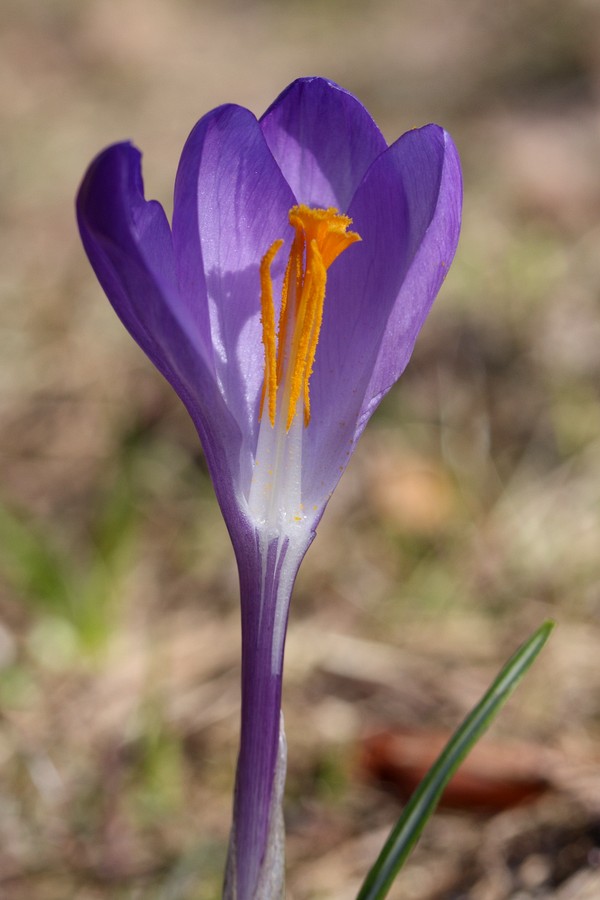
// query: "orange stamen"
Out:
[321,236]
[268,328]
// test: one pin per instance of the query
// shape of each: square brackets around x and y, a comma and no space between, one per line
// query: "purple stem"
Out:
[255,859]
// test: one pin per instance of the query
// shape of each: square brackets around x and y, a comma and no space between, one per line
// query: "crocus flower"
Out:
[281,305]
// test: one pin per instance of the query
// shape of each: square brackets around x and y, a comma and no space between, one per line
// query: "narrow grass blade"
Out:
[421,805]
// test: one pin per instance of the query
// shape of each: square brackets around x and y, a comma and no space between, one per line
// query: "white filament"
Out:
[276,509]
[275,497]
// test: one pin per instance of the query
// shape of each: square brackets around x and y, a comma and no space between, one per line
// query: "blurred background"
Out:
[470,513]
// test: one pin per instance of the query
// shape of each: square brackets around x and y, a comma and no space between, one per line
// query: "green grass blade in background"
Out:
[422,804]
[78,586]
[31,562]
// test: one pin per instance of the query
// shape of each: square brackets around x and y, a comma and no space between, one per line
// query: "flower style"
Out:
[280,355]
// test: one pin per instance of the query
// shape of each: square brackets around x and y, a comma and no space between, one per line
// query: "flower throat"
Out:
[321,235]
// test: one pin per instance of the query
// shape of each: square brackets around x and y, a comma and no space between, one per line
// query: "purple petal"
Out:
[407,211]
[231,203]
[432,183]
[323,139]
[128,242]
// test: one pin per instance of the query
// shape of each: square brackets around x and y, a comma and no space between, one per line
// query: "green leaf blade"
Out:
[424,800]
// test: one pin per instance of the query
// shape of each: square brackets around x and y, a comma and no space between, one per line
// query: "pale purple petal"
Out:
[323,139]
[231,203]
[128,242]
[407,211]
[435,234]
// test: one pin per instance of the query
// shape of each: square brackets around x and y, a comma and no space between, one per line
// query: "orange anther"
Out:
[321,236]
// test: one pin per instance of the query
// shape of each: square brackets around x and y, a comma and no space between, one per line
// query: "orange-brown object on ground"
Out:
[493,777]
